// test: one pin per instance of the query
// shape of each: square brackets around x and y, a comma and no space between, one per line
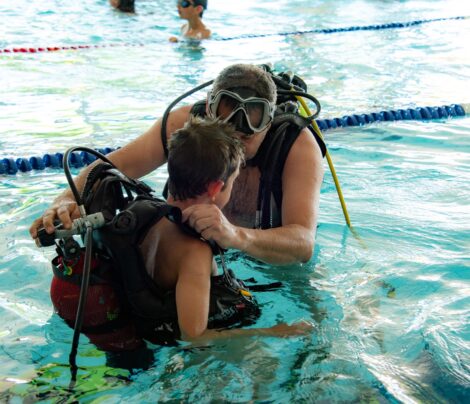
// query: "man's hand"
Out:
[64,209]
[210,222]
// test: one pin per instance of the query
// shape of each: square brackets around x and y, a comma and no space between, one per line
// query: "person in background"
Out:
[126,6]
[192,10]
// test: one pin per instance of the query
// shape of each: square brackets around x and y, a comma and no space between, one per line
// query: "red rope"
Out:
[60,48]
[47,49]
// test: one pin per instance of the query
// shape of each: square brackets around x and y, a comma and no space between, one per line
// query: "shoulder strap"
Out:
[320,141]
[288,112]
[271,159]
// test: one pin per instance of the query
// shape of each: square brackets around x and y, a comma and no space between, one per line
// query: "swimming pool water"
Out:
[390,305]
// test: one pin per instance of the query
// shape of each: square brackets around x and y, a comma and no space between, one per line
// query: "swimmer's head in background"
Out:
[193,3]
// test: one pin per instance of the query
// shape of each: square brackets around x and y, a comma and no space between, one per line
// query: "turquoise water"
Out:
[390,308]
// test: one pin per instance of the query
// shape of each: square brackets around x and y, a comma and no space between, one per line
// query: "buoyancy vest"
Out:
[270,159]
[130,211]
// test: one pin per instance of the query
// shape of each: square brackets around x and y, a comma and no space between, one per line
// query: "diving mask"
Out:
[248,115]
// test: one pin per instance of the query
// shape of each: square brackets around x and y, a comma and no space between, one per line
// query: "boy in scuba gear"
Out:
[203,162]
[192,10]
[285,159]
[153,277]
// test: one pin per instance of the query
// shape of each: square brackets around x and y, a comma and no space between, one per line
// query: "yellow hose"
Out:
[305,111]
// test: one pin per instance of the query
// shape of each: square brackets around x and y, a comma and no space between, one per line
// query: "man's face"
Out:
[250,115]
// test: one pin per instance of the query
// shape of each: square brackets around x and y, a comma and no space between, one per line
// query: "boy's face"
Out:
[223,196]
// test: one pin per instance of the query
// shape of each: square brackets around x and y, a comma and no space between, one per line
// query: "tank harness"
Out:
[123,300]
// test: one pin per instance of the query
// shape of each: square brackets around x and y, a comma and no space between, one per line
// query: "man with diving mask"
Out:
[272,214]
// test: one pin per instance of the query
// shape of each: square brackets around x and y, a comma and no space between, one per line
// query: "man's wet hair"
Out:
[203,151]
[248,76]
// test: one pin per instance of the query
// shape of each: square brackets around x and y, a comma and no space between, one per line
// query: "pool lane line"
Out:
[409,114]
[376,27]
[9,51]
[11,166]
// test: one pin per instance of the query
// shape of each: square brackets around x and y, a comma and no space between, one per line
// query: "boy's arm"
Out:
[281,330]
[193,299]
[193,288]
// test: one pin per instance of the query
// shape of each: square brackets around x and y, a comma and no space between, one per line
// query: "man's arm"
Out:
[136,159]
[301,183]
[294,240]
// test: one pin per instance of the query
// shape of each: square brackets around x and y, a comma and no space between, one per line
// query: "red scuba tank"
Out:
[102,304]
[103,321]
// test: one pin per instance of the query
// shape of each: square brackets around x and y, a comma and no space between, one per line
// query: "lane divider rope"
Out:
[11,166]
[375,27]
[409,114]
[391,25]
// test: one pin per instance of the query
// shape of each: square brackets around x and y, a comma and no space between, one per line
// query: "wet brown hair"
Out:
[203,151]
